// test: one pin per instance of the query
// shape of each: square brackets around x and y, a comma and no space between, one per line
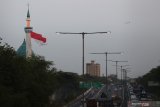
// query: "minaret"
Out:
[28,29]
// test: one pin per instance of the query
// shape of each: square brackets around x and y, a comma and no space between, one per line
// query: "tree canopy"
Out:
[35,82]
[24,82]
[152,75]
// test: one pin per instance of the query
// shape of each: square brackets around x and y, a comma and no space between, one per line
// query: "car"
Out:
[134,103]
[133,97]
[115,89]
[131,93]
[143,97]
[130,88]
[143,92]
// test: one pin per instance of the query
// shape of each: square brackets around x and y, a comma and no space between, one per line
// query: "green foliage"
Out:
[24,82]
[67,88]
[31,82]
[88,78]
[153,75]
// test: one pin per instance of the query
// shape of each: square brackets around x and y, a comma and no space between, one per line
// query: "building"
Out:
[22,49]
[93,69]
[25,49]
[27,30]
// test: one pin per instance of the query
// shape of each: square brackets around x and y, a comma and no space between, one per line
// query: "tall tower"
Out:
[28,29]
[93,69]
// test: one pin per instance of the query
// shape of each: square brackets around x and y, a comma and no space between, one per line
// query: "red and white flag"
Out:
[38,37]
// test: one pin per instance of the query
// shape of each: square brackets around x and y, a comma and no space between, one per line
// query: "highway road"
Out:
[97,94]
[113,90]
[79,100]
[140,98]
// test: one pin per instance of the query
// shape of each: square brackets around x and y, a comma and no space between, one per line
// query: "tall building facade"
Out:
[93,69]
[22,49]
[25,49]
[28,29]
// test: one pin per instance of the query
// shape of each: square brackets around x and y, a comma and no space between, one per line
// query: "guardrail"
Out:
[78,98]
[99,92]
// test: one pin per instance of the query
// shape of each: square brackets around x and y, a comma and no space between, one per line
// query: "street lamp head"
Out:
[119,61]
[97,53]
[57,33]
[108,32]
[110,60]
[124,65]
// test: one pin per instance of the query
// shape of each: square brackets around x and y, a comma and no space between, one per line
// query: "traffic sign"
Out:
[96,84]
[84,84]
[90,84]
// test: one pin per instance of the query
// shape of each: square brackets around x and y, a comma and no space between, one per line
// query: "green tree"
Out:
[152,75]
[24,82]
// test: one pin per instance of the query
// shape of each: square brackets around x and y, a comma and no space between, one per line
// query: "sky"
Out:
[134,26]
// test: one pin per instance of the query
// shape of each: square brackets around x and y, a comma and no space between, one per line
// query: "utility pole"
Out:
[106,53]
[125,87]
[125,73]
[122,83]
[117,67]
[122,71]
[83,35]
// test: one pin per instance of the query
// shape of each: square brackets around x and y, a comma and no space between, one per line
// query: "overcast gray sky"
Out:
[135,27]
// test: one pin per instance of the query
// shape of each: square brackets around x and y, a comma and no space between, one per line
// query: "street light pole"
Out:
[106,72]
[106,53]
[125,73]
[83,35]
[83,54]
[122,71]
[121,74]
[117,67]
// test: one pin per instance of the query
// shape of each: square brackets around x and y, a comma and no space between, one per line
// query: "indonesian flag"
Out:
[38,37]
